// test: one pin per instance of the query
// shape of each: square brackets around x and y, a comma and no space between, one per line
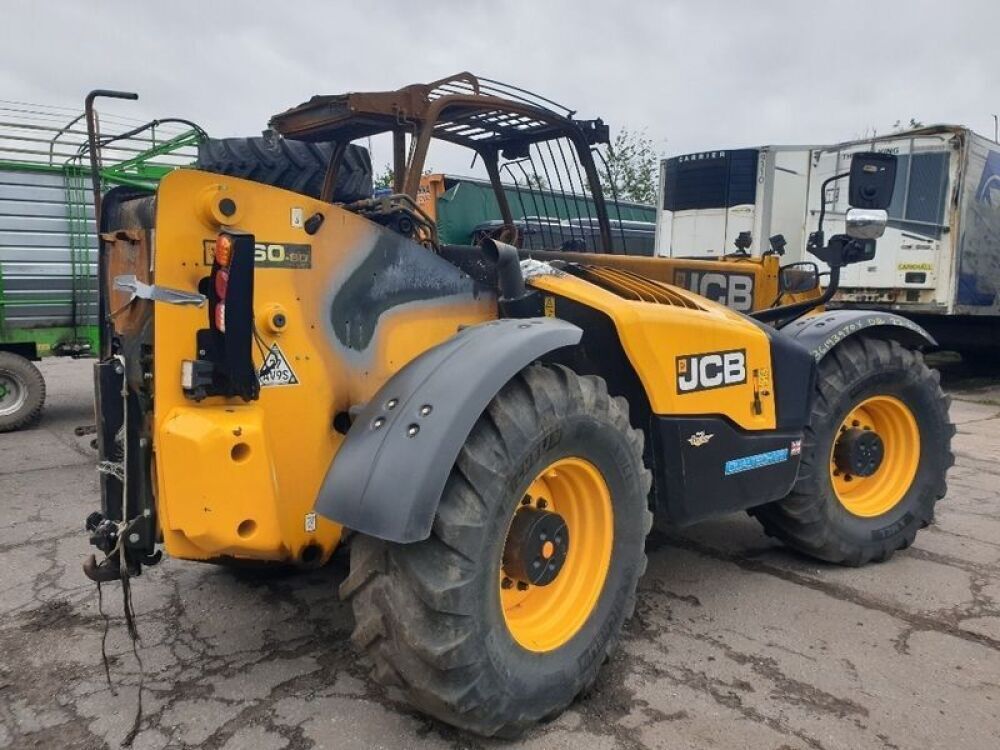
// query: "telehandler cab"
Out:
[492,434]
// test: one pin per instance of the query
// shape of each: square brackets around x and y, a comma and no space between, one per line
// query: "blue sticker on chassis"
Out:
[756,461]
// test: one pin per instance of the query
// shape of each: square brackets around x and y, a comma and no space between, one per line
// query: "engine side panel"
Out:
[359,302]
[692,359]
[720,440]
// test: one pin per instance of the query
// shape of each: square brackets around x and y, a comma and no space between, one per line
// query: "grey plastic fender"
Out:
[389,473]
[821,333]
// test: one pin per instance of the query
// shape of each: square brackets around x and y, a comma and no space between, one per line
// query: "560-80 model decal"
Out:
[271,254]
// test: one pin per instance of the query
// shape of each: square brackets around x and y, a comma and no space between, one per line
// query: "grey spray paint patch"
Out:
[395,272]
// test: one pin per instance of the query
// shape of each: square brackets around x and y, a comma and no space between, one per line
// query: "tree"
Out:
[384,178]
[899,126]
[871,132]
[632,168]
[535,181]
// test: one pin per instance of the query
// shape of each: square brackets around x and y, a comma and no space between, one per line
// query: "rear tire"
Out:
[22,392]
[292,165]
[817,517]
[433,617]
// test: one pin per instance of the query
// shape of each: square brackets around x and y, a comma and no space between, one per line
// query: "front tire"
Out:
[858,499]
[453,622]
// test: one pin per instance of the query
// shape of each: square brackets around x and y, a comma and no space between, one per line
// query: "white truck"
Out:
[938,262]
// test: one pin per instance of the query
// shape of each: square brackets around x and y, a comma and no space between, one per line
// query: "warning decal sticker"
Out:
[276,369]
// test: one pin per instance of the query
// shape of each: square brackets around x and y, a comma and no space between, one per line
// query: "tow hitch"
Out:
[104,534]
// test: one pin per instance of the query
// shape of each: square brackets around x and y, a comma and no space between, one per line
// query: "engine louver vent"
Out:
[635,287]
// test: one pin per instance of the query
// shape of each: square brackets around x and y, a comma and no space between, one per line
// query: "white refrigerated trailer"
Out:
[939,260]
[708,198]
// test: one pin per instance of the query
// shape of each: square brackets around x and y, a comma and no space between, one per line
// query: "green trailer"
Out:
[48,289]
[465,208]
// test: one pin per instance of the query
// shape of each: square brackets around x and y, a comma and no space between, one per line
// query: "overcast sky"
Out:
[696,75]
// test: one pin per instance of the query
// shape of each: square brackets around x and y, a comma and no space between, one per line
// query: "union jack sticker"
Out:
[796,447]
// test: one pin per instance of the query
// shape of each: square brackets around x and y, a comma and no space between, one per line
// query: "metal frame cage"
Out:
[535,142]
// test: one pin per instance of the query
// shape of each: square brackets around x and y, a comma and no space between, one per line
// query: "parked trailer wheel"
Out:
[22,392]
[874,456]
[505,614]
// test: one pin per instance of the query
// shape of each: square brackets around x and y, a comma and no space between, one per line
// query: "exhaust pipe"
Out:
[510,280]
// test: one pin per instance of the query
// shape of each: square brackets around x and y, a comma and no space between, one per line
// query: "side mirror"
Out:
[796,278]
[873,178]
[866,224]
[743,242]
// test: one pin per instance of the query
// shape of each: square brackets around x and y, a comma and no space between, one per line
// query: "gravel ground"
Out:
[736,643]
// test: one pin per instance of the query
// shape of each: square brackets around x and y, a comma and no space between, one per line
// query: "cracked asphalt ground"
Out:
[736,642]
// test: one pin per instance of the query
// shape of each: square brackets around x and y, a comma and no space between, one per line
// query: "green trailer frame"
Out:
[48,298]
[79,337]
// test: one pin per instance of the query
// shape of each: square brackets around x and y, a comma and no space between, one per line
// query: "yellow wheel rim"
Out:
[894,423]
[543,618]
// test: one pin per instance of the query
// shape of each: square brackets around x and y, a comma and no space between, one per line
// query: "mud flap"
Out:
[822,333]
[388,476]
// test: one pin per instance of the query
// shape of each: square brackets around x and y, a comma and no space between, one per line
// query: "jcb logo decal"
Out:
[734,290]
[701,372]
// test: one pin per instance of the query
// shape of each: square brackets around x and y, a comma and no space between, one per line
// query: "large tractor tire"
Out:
[292,165]
[22,392]
[874,456]
[506,613]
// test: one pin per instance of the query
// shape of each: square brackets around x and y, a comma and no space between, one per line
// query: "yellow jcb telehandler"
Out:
[490,431]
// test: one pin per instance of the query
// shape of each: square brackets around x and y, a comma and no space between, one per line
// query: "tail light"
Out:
[229,339]
[224,250]
[223,258]
[221,286]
